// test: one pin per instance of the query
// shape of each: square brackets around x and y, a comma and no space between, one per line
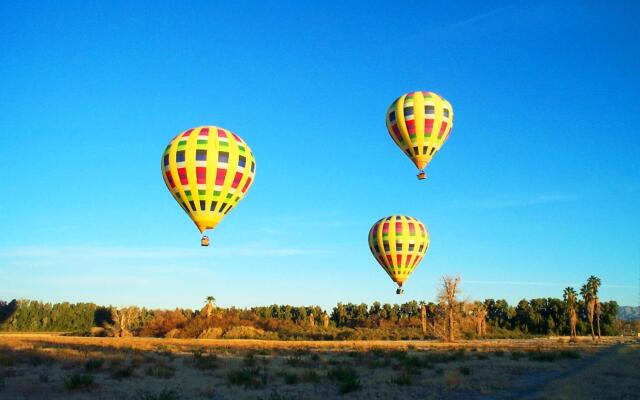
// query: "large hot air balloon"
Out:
[420,123]
[208,170]
[398,243]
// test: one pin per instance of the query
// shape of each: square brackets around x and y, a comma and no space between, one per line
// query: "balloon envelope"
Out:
[398,243]
[208,170]
[419,123]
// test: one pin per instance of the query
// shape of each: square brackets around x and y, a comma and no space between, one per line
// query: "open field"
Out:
[49,366]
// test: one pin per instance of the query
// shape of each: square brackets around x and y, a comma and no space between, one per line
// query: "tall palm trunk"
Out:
[590,311]
[598,312]
[573,321]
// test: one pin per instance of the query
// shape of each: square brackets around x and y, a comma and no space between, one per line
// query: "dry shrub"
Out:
[246,332]
[211,333]
[97,331]
[252,378]
[160,369]
[174,333]
[195,326]
[122,372]
[205,361]
[163,322]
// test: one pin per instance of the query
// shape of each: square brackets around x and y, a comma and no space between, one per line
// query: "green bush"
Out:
[402,379]
[290,378]
[205,361]
[93,364]
[274,396]
[165,394]
[569,354]
[347,377]
[542,356]
[122,372]
[310,376]
[413,363]
[78,381]
[249,360]
[160,370]
[442,357]
[252,378]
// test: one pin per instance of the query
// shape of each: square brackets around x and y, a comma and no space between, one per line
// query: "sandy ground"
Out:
[47,366]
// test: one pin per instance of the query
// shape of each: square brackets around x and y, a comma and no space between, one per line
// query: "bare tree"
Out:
[448,298]
[122,319]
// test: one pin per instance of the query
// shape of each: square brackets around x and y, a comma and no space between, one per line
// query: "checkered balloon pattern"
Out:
[398,243]
[419,123]
[208,170]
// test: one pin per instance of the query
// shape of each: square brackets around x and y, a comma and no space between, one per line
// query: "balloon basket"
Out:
[204,242]
[422,175]
[399,290]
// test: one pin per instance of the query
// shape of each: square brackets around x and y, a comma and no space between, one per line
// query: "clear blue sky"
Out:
[537,188]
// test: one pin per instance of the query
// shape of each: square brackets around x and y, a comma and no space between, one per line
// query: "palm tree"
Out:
[594,284]
[569,296]
[208,308]
[587,295]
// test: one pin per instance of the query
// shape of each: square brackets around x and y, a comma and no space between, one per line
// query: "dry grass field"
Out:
[41,366]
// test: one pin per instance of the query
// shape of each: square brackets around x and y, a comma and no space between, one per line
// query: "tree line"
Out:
[410,320]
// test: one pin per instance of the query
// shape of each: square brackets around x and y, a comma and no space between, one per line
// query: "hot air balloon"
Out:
[208,170]
[398,243]
[420,123]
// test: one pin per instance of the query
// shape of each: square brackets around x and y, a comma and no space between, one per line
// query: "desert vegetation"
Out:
[48,366]
[448,318]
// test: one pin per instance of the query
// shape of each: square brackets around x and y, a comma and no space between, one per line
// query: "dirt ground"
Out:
[42,366]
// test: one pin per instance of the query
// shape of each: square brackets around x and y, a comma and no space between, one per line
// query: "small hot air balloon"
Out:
[398,243]
[208,170]
[420,123]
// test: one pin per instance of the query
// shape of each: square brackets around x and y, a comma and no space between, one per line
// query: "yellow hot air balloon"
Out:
[420,123]
[398,243]
[208,170]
